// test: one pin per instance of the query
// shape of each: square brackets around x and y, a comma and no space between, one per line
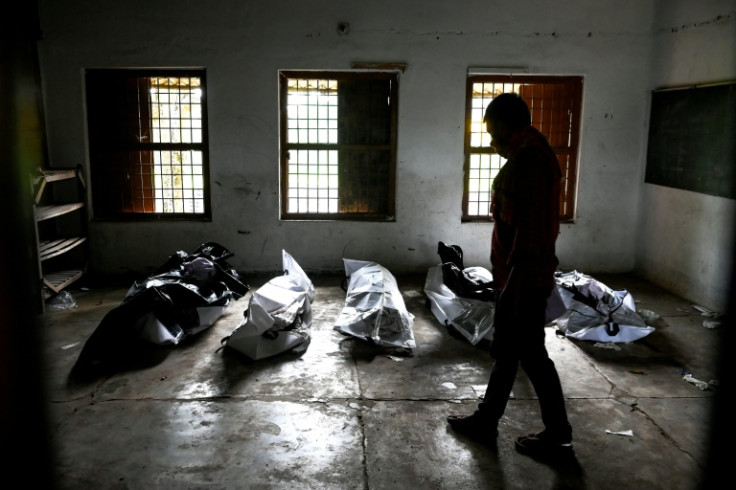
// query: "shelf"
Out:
[51,176]
[56,282]
[54,240]
[51,248]
[48,212]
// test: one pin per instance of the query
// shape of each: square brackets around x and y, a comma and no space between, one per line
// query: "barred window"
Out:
[148,144]
[555,105]
[338,145]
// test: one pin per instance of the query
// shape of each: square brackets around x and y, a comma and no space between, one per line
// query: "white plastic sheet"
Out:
[279,315]
[581,307]
[374,308]
[596,312]
[472,318]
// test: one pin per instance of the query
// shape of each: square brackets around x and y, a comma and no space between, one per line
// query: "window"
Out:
[148,144]
[338,145]
[554,103]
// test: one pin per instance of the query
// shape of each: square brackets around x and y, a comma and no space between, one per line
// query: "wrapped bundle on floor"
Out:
[374,308]
[597,312]
[279,316]
[185,296]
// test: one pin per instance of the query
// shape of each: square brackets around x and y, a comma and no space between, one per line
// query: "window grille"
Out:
[554,103]
[338,134]
[148,150]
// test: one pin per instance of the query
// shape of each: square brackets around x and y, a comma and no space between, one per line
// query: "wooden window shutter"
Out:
[364,139]
[555,110]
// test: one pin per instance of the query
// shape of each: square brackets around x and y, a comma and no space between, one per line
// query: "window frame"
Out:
[105,175]
[392,76]
[569,152]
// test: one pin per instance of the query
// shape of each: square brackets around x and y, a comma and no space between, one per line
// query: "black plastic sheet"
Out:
[185,296]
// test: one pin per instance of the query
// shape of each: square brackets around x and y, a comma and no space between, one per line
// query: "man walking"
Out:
[525,208]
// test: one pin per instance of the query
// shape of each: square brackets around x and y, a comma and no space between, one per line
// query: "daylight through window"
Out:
[554,103]
[338,145]
[148,148]
[176,117]
[312,120]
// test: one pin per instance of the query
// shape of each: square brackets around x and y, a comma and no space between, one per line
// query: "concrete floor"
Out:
[349,415]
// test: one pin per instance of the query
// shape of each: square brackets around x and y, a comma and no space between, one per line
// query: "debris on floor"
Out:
[711,324]
[701,385]
[715,317]
[61,301]
[627,433]
[607,345]
[648,315]
[706,312]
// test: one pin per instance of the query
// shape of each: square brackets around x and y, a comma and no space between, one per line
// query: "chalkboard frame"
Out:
[692,139]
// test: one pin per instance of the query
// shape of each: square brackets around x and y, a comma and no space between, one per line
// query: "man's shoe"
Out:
[542,446]
[474,426]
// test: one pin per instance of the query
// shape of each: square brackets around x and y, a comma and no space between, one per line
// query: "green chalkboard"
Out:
[692,139]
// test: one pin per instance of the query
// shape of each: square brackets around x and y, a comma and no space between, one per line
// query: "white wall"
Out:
[242,44]
[685,238]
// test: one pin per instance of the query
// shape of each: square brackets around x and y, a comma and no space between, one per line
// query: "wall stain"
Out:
[247,191]
[346,246]
[714,20]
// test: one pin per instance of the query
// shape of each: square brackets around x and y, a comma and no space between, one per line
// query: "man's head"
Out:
[505,115]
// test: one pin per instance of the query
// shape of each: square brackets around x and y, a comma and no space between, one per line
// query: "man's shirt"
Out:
[525,206]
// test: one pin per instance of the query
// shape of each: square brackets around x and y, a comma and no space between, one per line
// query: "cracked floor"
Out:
[350,415]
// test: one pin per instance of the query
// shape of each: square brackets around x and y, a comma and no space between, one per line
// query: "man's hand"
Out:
[510,299]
